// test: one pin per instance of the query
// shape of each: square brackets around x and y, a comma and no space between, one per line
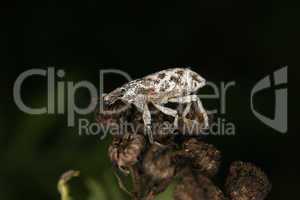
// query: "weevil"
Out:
[173,85]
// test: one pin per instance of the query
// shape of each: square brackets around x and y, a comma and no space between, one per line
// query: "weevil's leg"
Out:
[168,111]
[142,106]
[203,111]
[192,98]
[184,100]
[187,109]
[147,122]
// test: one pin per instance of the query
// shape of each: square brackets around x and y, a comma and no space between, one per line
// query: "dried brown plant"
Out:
[183,158]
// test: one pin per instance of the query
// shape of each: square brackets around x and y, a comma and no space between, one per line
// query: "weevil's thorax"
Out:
[174,82]
[160,86]
[133,90]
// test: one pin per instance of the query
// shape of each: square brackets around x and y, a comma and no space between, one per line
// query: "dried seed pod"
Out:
[247,182]
[158,163]
[205,157]
[197,187]
[124,152]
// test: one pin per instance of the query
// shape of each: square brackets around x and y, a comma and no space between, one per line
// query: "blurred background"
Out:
[241,41]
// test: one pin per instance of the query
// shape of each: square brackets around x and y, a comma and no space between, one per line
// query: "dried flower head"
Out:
[158,163]
[197,187]
[124,152]
[183,156]
[204,157]
[247,182]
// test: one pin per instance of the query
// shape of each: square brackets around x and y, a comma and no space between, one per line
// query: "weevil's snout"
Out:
[113,96]
[110,101]
[107,100]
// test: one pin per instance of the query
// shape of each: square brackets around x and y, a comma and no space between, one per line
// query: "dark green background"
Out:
[240,41]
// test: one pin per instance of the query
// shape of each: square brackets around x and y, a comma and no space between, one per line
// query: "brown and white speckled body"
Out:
[175,85]
[158,87]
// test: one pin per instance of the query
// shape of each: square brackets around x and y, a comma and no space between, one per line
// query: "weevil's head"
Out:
[113,96]
[114,104]
[112,109]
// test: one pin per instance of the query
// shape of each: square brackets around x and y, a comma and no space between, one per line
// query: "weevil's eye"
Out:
[123,90]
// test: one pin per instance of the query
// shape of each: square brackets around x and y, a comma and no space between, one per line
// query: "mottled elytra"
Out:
[174,85]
